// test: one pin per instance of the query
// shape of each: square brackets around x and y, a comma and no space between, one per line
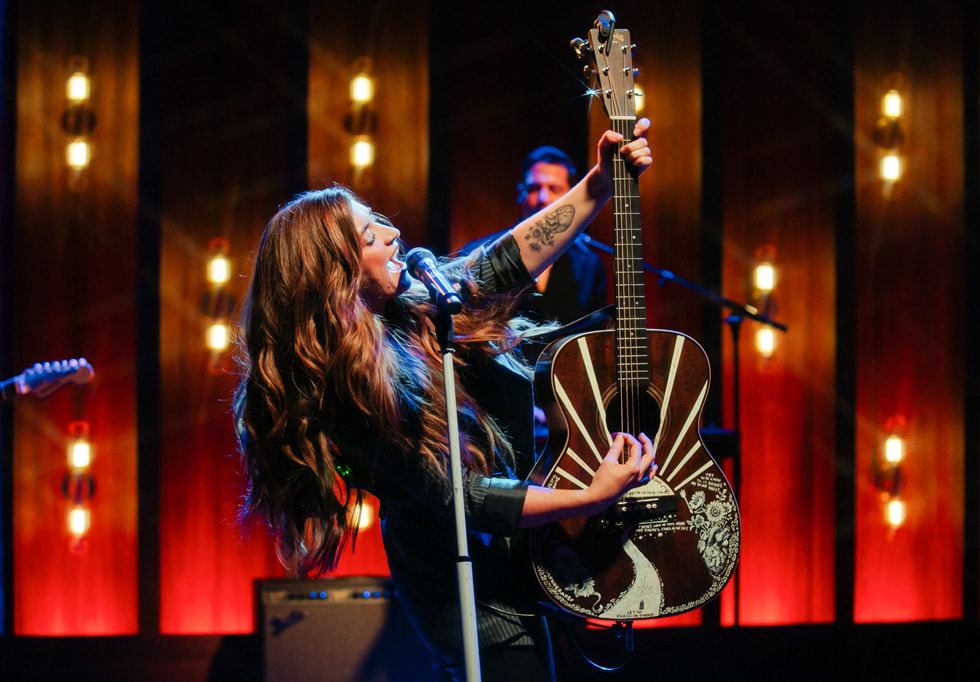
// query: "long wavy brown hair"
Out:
[316,360]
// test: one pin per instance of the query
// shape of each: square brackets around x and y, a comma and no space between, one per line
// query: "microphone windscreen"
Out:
[416,256]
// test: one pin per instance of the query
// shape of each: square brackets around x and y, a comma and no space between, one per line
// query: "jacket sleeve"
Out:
[491,504]
[498,267]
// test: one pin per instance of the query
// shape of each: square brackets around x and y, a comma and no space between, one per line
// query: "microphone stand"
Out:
[464,563]
[734,321]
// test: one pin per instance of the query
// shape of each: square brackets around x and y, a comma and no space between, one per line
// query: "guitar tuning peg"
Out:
[581,48]
[588,71]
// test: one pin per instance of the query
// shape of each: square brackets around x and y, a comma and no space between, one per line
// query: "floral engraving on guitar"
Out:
[712,522]
[707,515]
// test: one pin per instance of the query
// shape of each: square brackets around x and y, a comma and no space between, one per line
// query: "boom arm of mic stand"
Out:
[717,299]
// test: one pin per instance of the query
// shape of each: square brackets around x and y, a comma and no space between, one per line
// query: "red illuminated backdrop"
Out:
[226,144]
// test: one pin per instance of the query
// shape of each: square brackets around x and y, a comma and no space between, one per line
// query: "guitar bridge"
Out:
[629,511]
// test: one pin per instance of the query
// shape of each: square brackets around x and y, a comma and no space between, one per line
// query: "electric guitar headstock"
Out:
[608,54]
[43,379]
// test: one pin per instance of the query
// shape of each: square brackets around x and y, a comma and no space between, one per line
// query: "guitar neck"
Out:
[631,339]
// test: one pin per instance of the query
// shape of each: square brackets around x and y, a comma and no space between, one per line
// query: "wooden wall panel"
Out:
[778,189]
[909,303]
[74,264]
[224,144]
[513,84]
[394,36]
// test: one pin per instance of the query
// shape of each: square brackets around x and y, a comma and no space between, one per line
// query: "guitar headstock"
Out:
[609,55]
[43,379]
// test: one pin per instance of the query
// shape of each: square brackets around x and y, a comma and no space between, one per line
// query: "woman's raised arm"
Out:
[545,235]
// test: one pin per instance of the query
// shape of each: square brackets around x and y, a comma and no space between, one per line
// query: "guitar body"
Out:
[664,548]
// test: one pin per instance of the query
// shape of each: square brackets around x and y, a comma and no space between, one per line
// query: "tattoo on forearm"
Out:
[544,230]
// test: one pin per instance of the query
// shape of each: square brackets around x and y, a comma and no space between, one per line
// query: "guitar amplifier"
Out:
[349,629]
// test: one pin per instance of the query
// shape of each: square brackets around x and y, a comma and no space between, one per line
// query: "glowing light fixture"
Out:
[361,121]
[765,277]
[78,484]
[891,104]
[890,476]
[78,155]
[80,455]
[894,449]
[891,167]
[362,152]
[638,95]
[218,336]
[217,302]
[365,518]
[761,298]
[889,135]
[78,121]
[765,342]
[79,521]
[79,447]
[895,512]
[79,87]
[362,88]
[219,269]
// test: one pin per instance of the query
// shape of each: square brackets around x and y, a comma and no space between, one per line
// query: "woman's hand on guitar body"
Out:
[629,463]
[620,472]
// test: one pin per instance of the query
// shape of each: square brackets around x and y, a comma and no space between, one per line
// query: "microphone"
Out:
[422,265]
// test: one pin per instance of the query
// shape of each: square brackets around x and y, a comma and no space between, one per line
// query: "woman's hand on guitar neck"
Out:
[544,236]
[635,153]
[629,463]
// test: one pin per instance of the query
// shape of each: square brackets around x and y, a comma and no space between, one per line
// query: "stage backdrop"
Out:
[208,116]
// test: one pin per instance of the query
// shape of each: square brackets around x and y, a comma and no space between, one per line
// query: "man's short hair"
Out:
[548,154]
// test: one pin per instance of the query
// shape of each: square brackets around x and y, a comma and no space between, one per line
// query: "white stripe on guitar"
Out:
[593,383]
[568,477]
[570,408]
[704,467]
[695,410]
[675,361]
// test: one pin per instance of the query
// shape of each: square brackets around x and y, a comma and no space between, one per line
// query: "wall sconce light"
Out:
[78,121]
[765,342]
[361,152]
[361,120]
[365,514]
[362,83]
[638,98]
[760,297]
[217,302]
[78,484]
[889,470]
[888,133]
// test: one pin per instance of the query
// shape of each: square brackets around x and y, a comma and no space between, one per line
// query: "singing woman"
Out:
[342,390]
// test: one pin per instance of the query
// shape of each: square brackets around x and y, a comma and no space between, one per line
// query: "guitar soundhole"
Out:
[633,412]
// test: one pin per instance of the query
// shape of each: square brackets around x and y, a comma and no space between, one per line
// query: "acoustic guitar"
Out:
[672,544]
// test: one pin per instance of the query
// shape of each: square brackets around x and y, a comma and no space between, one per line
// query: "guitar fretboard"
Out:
[632,364]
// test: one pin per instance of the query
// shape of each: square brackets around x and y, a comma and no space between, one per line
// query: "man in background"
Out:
[575,284]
